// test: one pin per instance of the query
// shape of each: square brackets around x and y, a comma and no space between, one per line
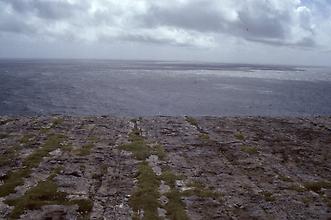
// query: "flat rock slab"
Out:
[261,168]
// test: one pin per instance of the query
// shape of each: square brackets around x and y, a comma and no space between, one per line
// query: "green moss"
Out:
[52,143]
[192,121]
[8,156]
[204,137]
[56,122]
[306,200]
[137,146]
[26,139]
[139,149]
[296,187]
[175,207]
[159,151]
[285,178]
[239,136]
[101,173]
[85,206]
[169,178]
[67,147]
[92,139]
[147,194]
[86,149]
[268,196]
[46,193]
[196,184]
[317,186]
[249,149]
[198,189]
[15,178]
[135,135]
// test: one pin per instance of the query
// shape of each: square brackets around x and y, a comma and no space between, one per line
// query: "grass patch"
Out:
[92,139]
[147,194]
[85,150]
[317,186]
[27,139]
[285,178]
[306,200]
[139,149]
[101,173]
[239,136]
[159,151]
[8,156]
[296,187]
[169,178]
[192,121]
[52,143]
[46,193]
[249,149]
[202,193]
[138,146]
[15,178]
[56,122]
[204,137]
[198,189]
[268,196]
[175,207]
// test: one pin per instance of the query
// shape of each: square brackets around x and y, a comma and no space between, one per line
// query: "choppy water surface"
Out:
[97,87]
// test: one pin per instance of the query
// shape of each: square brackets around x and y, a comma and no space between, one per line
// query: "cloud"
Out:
[194,23]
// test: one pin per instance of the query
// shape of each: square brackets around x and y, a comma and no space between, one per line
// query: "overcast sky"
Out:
[246,31]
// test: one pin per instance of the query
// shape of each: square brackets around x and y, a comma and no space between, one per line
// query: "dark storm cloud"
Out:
[256,22]
[182,22]
[201,16]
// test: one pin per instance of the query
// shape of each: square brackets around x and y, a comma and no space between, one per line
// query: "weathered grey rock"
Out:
[246,167]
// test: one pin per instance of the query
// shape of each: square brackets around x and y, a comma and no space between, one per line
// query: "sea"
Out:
[33,87]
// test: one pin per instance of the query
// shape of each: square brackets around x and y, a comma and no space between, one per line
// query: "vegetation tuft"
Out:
[317,186]
[46,193]
[249,149]
[192,121]
[239,136]
[268,196]
[8,156]
[15,178]
[86,149]
[159,151]
[146,196]
[27,139]
[137,145]
[56,122]
[175,207]
[204,137]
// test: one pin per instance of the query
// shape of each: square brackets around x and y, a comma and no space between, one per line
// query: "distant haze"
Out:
[241,31]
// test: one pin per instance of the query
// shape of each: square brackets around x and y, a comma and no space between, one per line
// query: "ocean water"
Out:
[145,88]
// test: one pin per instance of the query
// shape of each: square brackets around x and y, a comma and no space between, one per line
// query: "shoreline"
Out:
[204,167]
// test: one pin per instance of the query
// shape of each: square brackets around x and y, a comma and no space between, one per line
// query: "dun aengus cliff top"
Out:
[63,167]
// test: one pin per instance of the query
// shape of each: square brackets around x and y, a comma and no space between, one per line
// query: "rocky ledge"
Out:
[62,167]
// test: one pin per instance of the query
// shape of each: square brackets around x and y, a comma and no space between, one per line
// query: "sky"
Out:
[236,31]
